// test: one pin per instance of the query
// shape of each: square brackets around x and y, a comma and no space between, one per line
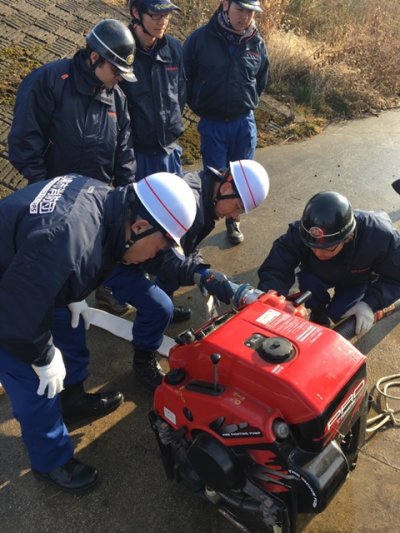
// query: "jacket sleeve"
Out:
[263,74]
[189,63]
[182,85]
[125,162]
[28,139]
[386,289]
[28,291]
[174,269]
[277,272]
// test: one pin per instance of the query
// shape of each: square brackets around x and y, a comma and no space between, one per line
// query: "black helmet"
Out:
[114,43]
[328,219]
[155,6]
[251,5]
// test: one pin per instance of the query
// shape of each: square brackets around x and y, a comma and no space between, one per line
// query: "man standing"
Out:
[350,261]
[226,64]
[157,100]
[59,239]
[71,116]
[155,104]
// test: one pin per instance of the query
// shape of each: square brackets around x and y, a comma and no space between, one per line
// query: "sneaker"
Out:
[73,476]
[147,368]
[181,313]
[235,236]
[77,405]
[106,299]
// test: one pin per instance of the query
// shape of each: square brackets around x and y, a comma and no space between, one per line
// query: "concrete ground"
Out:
[359,159]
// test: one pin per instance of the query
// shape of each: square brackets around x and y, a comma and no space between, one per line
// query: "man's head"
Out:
[242,188]
[327,224]
[241,13]
[111,52]
[165,211]
[151,16]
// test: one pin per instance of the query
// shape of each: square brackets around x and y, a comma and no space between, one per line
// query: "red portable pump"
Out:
[262,412]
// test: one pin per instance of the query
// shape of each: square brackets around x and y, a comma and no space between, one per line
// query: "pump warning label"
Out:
[290,326]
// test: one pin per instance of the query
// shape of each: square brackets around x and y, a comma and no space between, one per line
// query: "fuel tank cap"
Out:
[276,350]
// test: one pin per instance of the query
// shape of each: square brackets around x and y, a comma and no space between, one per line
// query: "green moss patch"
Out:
[17,62]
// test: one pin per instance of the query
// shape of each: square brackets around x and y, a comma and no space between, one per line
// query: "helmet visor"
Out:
[128,76]
[163,6]
[251,6]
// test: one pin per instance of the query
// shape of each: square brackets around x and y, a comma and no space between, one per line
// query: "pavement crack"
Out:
[381,461]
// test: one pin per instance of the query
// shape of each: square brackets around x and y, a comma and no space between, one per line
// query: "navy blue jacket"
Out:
[59,239]
[64,123]
[223,83]
[176,269]
[157,99]
[373,257]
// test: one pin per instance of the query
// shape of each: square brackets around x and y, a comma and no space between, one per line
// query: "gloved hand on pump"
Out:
[215,283]
[364,317]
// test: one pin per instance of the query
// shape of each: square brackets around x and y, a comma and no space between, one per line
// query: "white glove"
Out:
[51,376]
[80,309]
[364,317]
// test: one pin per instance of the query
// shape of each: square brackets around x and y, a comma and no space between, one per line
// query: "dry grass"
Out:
[329,58]
[338,57]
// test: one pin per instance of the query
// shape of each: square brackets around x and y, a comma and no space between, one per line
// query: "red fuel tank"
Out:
[277,358]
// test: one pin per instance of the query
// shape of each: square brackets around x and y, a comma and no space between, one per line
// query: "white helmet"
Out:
[251,181]
[169,200]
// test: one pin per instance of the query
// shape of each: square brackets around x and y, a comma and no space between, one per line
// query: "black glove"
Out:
[217,284]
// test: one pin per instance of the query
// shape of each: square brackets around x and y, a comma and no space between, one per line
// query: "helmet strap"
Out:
[220,196]
[226,13]
[96,63]
[139,22]
[93,67]
[135,237]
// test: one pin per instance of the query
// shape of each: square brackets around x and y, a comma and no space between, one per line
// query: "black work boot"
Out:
[181,313]
[147,368]
[76,404]
[235,236]
[106,299]
[73,476]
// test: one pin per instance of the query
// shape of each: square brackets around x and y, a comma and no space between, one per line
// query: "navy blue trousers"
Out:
[43,430]
[44,433]
[222,142]
[147,164]
[154,307]
[342,300]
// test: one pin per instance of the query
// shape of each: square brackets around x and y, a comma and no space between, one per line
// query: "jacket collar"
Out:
[87,83]
[161,51]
